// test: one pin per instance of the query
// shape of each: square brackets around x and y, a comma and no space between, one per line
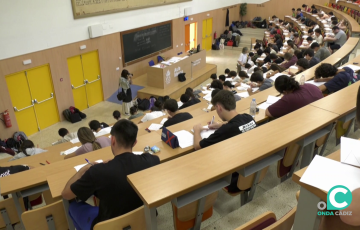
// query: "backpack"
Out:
[2,143]
[82,115]
[161,99]
[75,117]
[144,104]
[11,143]
[67,114]
[152,102]
[20,137]
[181,77]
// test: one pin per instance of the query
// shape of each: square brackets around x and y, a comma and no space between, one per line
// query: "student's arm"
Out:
[267,113]
[251,92]
[330,39]
[197,137]
[322,88]
[67,193]
[323,79]
[354,207]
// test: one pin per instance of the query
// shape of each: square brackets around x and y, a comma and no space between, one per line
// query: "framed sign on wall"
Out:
[88,8]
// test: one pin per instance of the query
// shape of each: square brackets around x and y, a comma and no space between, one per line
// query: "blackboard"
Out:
[144,42]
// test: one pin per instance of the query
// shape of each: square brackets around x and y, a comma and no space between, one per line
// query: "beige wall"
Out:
[109,48]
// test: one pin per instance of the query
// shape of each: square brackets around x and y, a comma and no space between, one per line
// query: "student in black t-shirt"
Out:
[96,126]
[188,101]
[175,116]
[225,105]
[108,180]
[217,84]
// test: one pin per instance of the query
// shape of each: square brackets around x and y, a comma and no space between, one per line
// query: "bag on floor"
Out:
[11,143]
[230,43]
[67,114]
[75,117]
[82,115]
[144,104]
[152,102]
[7,150]
[181,77]
[20,137]
[2,143]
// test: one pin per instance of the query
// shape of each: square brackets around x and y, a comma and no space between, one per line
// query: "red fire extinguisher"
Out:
[7,119]
[215,35]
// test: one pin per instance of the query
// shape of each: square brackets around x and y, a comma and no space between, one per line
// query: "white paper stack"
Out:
[206,91]
[243,86]
[103,132]
[155,127]
[228,79]
[179,104]
[293,67]
[209,106]
[349,153]
[74,141]
[69,151]
[271,100]
[78,167]
[185,138]
[243,94]
[206,133]
[163,121]
[315,83]
[207,97]
[277,75]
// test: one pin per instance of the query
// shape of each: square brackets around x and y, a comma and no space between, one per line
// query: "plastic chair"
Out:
[151,63]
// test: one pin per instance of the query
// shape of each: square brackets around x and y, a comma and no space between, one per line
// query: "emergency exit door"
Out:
[33,98]
[85,79]
[207,34]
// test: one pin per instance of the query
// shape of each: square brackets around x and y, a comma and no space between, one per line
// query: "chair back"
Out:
[9,205]
[245,183]
[135,219]
[285,223]
[36,219]
[260,222]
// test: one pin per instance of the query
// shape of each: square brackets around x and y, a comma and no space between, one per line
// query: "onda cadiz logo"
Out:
[339,197]
[168,78]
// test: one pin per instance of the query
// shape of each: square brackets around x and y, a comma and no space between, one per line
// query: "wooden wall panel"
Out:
[279,8]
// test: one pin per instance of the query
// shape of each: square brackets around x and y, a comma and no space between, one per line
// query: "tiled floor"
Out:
[270,194]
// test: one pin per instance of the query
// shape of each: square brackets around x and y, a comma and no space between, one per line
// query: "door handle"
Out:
[18,110]
[93,80]
[51,97]
[73,87]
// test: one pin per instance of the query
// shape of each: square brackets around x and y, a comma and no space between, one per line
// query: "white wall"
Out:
[31,25]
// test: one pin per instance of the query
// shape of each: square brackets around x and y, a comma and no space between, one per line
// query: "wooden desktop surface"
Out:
[195,170]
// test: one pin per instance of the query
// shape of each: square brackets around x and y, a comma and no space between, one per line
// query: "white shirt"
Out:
[152,115]
[242,59]
[319,39]
[316,27]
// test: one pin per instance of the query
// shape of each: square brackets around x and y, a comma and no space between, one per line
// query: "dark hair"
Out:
[334,18]
[166,98]
[303,5]
[277,36]
[331,13]
[226,99]
[293,9]
[334,23]
[273,16]
[247,66]
[309,39]
[256,77]
[125,73]
[227,71]
[232,74]
[94,125]
[273,56]
[335,28]
[310,31]
[325,70]
[257,69]
[298,54]
[228,84]
[213,76]
[271,24]
[298,16]
[189,91]
[296,35]
[303,20]
[318,31]
[157,106]
[27,144]
[216,84]
[309,52]
[298,9]
[288,56]
[257,46]
[275,67]
[260,52]
[125,133]
[116,114]
[267,50]
[133,110]
[222,77]
[185,98]
[243,74]
[171,105]
[313,6]
[277,27]
[285,83]
[62,132]
[251,54]
[302,62]
[214,92]
[314,45]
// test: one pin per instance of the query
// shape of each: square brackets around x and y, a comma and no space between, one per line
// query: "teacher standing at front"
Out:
[125,82]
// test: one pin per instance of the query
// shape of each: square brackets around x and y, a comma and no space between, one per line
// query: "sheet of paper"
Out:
[137,152]
[349,153]
[74,141]
[271,99]
[186,139]
[206,133]
[179,104]
[243,94]
[315,83]
[207,97]
[293,67]
[163,121]
[155,127]
[228,79]
[78,167]
[206,91]
[69,151]
[255,89]
[204,88]
[353,67]
[264,106]
[209,106]
[324,173]
[103,132]
[277,75]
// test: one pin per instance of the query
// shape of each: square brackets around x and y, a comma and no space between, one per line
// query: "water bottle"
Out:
[302,80]
[253,107]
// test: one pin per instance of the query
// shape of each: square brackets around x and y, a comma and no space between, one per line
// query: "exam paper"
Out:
[69,151]
[315,83]
[206,133]
[74,141]
[324,173]
[207,97]
[186,139]
[78,167]
[179,104]
[209,106]
[243,94]
[349,153]
[353,67]
[155,127]
[163,121]
[277,75]
[103,132]
[271,100]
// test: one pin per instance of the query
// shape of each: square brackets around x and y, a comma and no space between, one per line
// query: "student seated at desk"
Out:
[262,83]
[338,40]
[290,47]
[27,149]
[275,59]
[156,112]
[134,112]
[310,41]
[171,107]
[257,54]
[193,93]
[188,100]
[221,79]
[313,10]
[293,14]
[306,8]
[212,77]
[226,72]
[242,77]
[275,69]
[66,136]
[318,37]
[321,53]
[229,87]
[297,40]
[217,84]
[116,115]
[302,65]
[326,16]
[290,60]
[335,79]
[309,55]
[234,124]
[89,142]
[108,180]
[96,126]
[295,96]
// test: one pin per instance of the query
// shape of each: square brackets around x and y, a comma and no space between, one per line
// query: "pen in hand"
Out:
[88,161]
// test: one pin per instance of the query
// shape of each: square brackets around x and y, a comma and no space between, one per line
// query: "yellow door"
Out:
[187,38]
[193,42]
[209,25]
[204,40]
[21,100]
[42,91]
[91,69]
[77,82]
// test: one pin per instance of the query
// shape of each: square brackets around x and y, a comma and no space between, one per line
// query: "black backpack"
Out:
[144,104]
[67,114]
[11,143]
[181,77]
[161,99]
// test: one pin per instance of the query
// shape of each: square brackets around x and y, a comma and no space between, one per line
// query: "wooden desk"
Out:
[306,215]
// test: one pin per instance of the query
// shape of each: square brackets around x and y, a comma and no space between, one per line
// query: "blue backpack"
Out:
[152,102]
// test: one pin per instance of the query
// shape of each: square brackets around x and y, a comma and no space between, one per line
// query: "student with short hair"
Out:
[155,112]
[257,54]
[278,41]
[275,59]
[338,40]
[294,97]
[310,41]
[306,8]
[108,180]
[188,100]
[309,55]
[275,69]
[96,126]
[297,40]
[66,136]
[134,112]
[229,87]
[267,59]
[313,9]
[27,148]
[302,65]
[293,12]
[217,84]
[221,79]
[225,106]
[262,83]
[171,107]
[242,77]
[116,115]
[290,60]
[321,53]
[318,37]
[242,58]
[212,77]
[335,79]
[251,55]
[89,142]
